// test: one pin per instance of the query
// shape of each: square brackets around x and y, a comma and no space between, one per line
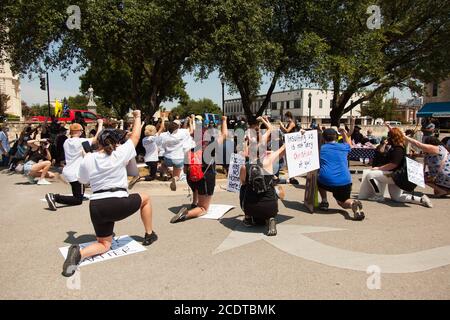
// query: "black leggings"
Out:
[152,168]
[76,199]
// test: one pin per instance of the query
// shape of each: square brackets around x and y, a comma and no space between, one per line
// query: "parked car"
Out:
[86,115]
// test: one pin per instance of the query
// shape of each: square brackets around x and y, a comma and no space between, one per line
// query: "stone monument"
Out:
[92,106]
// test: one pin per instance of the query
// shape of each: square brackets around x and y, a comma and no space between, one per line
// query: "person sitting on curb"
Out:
[334,174]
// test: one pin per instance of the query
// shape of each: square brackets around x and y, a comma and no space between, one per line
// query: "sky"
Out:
[210,88]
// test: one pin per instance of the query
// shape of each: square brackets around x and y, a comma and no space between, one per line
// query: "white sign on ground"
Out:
[302,152]
[121,246]
[217,211]
[415,172]
[234,182]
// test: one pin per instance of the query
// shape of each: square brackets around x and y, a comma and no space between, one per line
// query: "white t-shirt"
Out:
[73,151]
[159,143]
[4,141]
[151,148]
[105,172]
[174,144]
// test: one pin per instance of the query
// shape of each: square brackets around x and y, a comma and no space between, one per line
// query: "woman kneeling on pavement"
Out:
[374,184]
[334,175]
[201,176]
[106,172]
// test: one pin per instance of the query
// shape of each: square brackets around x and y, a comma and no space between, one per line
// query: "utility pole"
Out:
[48,95]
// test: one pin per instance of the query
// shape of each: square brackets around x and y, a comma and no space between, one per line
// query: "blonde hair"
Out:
[150,130]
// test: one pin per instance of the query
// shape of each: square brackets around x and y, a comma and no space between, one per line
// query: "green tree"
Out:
[197,107]
[410,47]
[154,40]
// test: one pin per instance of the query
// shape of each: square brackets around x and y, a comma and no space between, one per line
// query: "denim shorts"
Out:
[176,163]
[27,167]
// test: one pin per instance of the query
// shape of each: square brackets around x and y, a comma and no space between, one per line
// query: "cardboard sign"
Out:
[234,182]
[311,191]
[302,152]
[121,246]
[217,211]
[415,172]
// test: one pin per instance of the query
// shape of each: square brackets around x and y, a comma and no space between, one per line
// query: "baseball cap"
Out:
[199,118]
[431,126]
[178,122]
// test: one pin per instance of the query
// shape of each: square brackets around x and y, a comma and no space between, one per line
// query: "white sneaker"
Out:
[426,201]
[43,182]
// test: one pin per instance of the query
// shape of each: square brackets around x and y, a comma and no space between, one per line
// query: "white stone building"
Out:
[297,102]
[10,85]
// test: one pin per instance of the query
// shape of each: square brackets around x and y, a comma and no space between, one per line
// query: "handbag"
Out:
[400,177]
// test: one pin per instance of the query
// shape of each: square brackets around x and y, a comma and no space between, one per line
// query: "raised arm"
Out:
[224,131]
[428,148]
[137,127]
[346,137]
[266,135]
[99,129]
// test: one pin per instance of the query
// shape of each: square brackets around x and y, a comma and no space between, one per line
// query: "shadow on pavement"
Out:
[233,222]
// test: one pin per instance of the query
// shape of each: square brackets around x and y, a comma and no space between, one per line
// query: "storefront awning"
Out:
[435,110]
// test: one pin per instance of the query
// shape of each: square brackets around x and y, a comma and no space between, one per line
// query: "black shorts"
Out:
[340,193]
[262,210]
[104,212]
[205,186]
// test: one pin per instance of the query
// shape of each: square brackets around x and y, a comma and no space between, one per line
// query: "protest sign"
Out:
[415,172]
[234,182]
[302,152]
[217,211]
[121,246]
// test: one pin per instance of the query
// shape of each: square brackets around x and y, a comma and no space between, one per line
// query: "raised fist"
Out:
[137,113]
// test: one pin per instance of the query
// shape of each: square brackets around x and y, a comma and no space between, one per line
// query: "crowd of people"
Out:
[190,149]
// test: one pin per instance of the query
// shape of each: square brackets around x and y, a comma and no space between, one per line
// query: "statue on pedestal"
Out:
[91,103]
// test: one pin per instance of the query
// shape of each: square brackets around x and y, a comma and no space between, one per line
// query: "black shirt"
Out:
[396,155]
[36,156]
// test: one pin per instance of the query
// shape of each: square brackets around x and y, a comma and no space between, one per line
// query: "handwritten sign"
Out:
[415,172]
[234,182]
[302,152]
[121,246]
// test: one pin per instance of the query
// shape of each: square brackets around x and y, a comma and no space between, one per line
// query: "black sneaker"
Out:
[50,197]
[294,181]
[271,227]
[324,206]
[133,182]
[193,206]
[173,185]
[249,222]
[180,216]
[72,260]
[149,238]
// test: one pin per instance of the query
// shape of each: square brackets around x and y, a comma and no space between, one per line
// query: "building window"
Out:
[282,105]
[435,89]
[297,104]
[274,106]
[320,104]
[288,104]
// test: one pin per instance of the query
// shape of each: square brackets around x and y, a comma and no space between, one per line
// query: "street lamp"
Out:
[222,80]
[309,107]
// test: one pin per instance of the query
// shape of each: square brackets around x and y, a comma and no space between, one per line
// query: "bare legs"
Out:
[41,170]
[102,246]
[203,206]
[146,213]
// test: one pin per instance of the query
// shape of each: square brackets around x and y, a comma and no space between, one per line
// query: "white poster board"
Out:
[234,182]
[217,211]
[302,152]
[121,246]
[415,172]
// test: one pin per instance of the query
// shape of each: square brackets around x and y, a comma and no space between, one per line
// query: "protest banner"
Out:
[234,182]
[302,152]
[217,211]
[415,172]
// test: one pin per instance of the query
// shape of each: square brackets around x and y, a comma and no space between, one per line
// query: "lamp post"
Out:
[309,107]
[222,80]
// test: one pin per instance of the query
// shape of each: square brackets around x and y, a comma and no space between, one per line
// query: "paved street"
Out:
[311,258]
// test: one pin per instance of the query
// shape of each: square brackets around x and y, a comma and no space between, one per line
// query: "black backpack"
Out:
[256,178]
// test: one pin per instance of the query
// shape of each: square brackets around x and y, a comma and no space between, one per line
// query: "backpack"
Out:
[256,179]
[195,172]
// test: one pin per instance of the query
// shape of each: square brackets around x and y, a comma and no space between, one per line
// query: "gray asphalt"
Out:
[181,264]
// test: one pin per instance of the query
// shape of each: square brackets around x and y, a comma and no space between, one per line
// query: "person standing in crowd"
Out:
[334,175]
[357,136]
[373,185]
[106,172]
[4,146]
[201,176]
[73,151]
[437,160]
[372,139]
[291,124]
[38,162]
[428,130]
